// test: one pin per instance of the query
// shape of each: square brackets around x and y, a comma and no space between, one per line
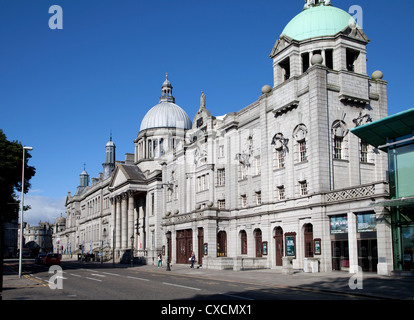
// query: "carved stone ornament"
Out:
[363,118]
[280,142]
[339,129]
[300,132]
[244,157]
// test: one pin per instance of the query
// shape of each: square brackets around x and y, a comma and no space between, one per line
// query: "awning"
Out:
[401,202]
[392,127]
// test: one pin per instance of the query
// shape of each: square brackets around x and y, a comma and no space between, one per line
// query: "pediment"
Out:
[126,173]
[280,44]
[356,33]
[118,178]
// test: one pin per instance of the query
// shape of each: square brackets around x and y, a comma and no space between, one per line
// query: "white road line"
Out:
[177,285]
[111,274]
[137,278]
[98,275]
[75,275]
[94,279]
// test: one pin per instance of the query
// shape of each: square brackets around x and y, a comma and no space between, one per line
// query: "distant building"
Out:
[281,177]
[395,136]
[38,238]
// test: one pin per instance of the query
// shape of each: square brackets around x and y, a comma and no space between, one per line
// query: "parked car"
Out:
[51,259]
[40,257]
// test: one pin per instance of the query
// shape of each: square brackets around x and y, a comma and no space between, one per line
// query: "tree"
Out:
[11,154]
[11,176]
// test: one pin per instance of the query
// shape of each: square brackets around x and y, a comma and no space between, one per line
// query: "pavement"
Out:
[365,285]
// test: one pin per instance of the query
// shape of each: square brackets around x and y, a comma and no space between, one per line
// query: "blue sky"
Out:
[63,91]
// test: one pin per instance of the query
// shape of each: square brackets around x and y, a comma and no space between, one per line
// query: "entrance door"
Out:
[279,246]
[340,255]
[258,240]
[368,255]
[308,235]
[184,245]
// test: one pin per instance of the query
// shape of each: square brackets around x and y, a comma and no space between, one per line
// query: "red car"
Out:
[51,259]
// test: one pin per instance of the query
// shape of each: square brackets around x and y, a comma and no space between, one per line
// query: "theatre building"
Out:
[281,177]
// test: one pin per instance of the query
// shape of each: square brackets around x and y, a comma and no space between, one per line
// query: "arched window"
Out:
[243,242]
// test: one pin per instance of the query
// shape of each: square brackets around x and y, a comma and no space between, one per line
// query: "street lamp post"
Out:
[21,215]
[132,250]
[168,235]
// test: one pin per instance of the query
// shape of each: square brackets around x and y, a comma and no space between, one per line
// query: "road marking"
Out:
[99,280]
[75,275]
[233,296]
[137,278]
[177,285]
[112,274]
[98,275]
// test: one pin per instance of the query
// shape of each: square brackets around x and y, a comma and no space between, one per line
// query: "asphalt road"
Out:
[79,281]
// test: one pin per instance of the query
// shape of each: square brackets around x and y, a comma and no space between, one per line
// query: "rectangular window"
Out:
[222,204]
[329,58]
[258,166]
[221,177]
[364,151]
[280,159]
[258,198]
[351,58]
[303,188]
[305,62]
[244,201]
[202,182]
[281,192]
[285,66]
[243,172]
[338,147]
[221,151]
[303,151]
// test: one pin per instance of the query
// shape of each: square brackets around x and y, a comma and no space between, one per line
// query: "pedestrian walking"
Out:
[192,259]
[159,260]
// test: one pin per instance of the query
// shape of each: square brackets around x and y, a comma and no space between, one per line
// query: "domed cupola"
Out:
[166,114]
[318,19]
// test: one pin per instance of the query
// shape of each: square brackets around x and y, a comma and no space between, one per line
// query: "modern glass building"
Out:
[395,135]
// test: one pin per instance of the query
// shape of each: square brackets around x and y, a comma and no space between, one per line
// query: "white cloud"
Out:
[43,208]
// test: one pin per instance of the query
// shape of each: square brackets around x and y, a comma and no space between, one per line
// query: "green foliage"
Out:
[11,153]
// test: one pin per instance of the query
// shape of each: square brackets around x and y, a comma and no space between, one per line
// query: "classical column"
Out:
[131,205]
[111,234]
[124,221]
[141,224]
[118,222]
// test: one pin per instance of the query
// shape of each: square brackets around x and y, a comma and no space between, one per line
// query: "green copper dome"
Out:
[318,21]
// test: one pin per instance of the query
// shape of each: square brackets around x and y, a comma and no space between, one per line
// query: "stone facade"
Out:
[270,181]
